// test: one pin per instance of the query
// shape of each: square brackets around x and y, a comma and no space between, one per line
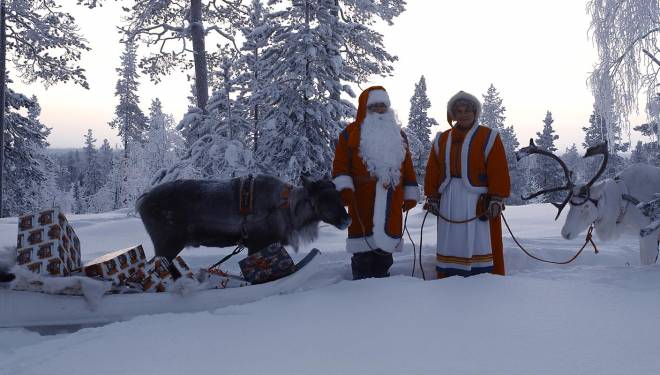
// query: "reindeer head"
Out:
[583,199]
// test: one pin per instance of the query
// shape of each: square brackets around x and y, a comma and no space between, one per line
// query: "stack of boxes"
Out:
[47,244]
[117,266]
[156,275]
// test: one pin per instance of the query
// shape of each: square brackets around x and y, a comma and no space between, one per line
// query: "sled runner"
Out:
[33,309]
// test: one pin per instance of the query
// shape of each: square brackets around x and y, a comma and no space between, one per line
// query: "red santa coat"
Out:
[376,211]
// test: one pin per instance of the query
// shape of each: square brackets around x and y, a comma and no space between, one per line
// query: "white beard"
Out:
[381,147]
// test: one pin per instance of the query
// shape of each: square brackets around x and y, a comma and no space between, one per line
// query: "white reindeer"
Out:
[610,205]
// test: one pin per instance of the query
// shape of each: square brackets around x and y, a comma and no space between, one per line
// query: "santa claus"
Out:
[467,178]
[373,170]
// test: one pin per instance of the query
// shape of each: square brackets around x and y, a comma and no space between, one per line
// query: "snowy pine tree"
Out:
[492,110]
[638,155]
[492,116]
[105,158]
[574,162]
[257,31]
[420,125]
[129,120]
[301,72]
[178,30]
[648,152]
[78,200]
[598,132]
[222,150]
[44,45]
[25,161]
[316,48]
[93,176]
[134,179]
[362,49]
[45,194]
[547,173]
[164,142]
[417,152]
[44,42]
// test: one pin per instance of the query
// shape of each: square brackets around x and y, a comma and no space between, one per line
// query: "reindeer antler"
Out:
[568,174]
[600,149]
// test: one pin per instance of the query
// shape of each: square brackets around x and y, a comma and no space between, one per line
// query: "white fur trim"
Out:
[436,144]
[343,182]
[364,244]
[411,193]
[491,141]
[379,239]
[466,96]
[360,244]
[465,148]
[378,96]
[382,240]
[445,183]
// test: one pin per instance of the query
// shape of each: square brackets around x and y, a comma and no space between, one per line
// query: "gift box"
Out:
[47,244]
[48,258]
[117,266]
[269,264]
[156,275]
[220,279]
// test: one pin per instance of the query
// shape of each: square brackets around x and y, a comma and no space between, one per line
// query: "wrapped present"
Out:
[220,279]
[49,258]
[157,275]
[269,264]
[117,266]
[48,232]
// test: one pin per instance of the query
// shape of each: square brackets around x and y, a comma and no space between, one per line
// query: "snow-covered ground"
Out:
[598,315]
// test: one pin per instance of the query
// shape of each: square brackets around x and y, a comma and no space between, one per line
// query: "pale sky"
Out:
[538,54]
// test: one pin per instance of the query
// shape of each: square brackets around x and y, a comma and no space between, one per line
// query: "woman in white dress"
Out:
[466,180]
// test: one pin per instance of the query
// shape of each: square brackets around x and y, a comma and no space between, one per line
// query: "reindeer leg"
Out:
[648,250]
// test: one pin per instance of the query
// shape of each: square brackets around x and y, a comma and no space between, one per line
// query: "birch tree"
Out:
[625,33]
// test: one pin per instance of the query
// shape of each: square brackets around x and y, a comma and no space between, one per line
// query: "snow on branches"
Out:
[626,35]
[43,42]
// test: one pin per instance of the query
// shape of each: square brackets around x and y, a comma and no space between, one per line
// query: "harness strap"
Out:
[237,250]
[631,199]
[246,192]
[627,198]
[286,192]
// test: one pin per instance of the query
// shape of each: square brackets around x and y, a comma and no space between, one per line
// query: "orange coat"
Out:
[375,204]
[486,171]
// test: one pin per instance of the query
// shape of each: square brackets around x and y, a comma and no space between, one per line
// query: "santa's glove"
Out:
[432,205]
[495,207]
[347,196]
[409,204]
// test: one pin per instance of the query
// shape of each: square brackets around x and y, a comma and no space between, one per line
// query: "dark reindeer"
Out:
[610,205]
[196,213]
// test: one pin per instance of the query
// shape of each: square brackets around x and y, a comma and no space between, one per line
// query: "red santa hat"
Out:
[366,99]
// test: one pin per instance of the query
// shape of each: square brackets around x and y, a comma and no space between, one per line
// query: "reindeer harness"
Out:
[246,201]
[246,209]
[625,197]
